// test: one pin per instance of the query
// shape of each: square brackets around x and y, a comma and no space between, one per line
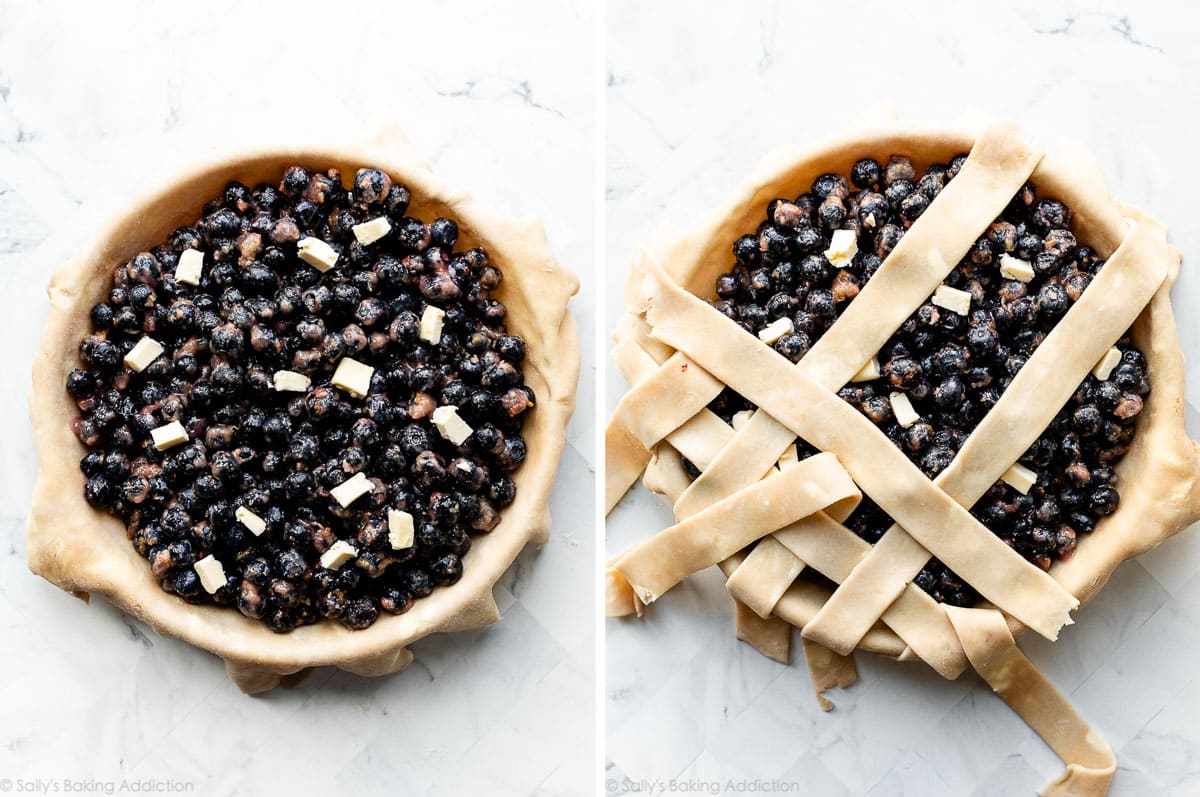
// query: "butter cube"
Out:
[144,352]
[171,434]
[211,572]
[902,408]
[776,330]
[449,425]
[292,381]
[843,246]
[353,377]
[1107,364]
[867,372]
[1013,268]
[350,490]
[400,529]
[317,253]
[371,231]
[250,520]
[1020,478]
[338,554]
[952,299]
[190,268]
[431,324]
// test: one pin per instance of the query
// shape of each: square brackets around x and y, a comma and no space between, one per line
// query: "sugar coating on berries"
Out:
[296,344]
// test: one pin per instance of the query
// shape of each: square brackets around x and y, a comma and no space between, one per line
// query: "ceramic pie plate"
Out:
[86,551]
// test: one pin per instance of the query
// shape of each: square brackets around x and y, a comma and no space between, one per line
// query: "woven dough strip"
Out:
[771,635]
[642,419]
[1117,285]
[820,542]
[995,656]
[827,546]
[1105,310]
[997,166]
[709,537]
[984,635]
[695,438]
[941,525]
[833,550]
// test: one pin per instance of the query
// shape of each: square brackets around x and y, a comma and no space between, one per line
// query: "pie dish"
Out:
[1051,455]
[84,550]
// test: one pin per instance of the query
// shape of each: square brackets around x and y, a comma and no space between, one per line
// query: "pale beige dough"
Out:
[943,526]
[760,581]
[997,166]
[86,551]
[708,537]
[995,656]
[642,419]
[1159,494]
[828,669]
[1105,310]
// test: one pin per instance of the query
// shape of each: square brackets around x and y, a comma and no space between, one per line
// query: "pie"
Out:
[301,407]
[932,400]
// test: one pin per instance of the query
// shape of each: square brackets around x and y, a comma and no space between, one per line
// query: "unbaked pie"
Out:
[934,401]
[306,405]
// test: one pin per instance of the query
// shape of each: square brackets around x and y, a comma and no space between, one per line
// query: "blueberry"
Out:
[446,570]
[746,250]
[359,613]
[371,187]
[1104,500]
[295,181]
[81,383]
[1050,214]
[443,233]
[866,173]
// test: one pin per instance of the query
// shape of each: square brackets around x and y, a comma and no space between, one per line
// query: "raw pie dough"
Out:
[86,551]
[678,353]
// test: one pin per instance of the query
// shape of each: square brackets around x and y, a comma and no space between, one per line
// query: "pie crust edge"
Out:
[83,550]
[1160,475]
[1160,491]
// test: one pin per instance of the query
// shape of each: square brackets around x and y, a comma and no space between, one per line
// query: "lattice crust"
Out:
[678,352]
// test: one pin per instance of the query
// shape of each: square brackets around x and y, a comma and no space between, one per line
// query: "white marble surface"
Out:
[90,89]
[694,98]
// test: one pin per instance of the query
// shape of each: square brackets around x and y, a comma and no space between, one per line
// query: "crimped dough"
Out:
[86,551]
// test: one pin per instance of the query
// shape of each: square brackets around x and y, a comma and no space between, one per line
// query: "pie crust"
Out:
[678,352]
[85,551]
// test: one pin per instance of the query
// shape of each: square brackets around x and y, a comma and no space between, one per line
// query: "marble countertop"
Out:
[90,93]
[693,100]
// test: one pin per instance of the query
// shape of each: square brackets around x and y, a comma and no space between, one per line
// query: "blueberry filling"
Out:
[953,368]
[255,306]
